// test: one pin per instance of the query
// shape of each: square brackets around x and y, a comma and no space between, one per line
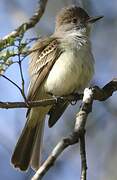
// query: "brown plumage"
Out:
[45,54]
[70,14]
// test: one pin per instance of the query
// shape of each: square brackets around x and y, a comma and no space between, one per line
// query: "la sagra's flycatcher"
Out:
[60,64]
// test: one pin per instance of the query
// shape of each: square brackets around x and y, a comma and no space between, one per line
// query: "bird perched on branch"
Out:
[60,64]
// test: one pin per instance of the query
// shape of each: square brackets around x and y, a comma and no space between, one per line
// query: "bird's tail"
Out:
[28,147]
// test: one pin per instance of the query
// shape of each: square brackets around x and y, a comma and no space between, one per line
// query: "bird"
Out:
[60,65]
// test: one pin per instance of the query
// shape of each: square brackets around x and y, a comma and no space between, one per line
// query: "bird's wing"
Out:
[56,112]
[43,56]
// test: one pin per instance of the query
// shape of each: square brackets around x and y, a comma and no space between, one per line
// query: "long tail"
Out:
[27,150]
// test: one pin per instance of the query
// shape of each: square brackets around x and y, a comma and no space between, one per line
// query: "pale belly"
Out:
[71,73]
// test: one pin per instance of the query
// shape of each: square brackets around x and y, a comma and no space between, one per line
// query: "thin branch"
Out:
[72,138]
[12,82]
[98,93]
[90,94]
[22,77]
[21,72]
[45,102]
[25,26]
[83,157]
[81,118]
[106,91]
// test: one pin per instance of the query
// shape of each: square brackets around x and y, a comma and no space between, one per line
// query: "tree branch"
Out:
[45,102]
[83,157]
[21,72]
[12,82]
[98,94]
[78,134]
[106,91]
[90,94]
[25,26]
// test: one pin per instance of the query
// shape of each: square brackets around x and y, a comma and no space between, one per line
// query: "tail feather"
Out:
[30,139]
[36,155]
[24,148]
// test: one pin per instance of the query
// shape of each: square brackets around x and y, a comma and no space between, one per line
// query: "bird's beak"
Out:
[94,19]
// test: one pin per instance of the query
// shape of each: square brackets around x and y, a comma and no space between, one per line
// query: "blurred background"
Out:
[101,134]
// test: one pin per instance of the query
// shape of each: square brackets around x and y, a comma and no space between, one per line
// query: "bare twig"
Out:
[106,91]
[12,82]
[72,138]
[83,158]
[25,26]
[45,102]
[63,144]
[21,72]
[78,133]
[81,119]
[22,77]
[99,94]
[91,94]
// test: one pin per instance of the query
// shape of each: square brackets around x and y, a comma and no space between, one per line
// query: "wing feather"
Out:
[44,55]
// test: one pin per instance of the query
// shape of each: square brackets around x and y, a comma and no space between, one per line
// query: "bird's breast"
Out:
[71,72]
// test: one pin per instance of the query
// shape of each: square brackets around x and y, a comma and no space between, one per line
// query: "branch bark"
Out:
[100,94]
[90,94]
[83,157]
[45,102]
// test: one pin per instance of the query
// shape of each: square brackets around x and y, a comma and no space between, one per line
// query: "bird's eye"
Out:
[74,20]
